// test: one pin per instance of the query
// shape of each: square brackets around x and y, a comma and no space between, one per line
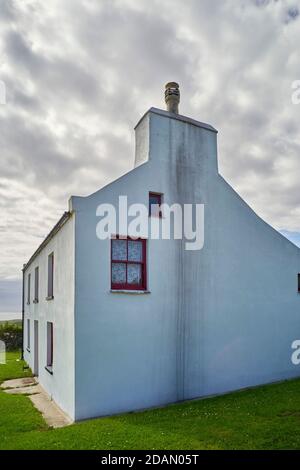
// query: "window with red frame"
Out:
[28,288]
[155,202]
[28,335]
[50,275]
[128,264]
[49,344]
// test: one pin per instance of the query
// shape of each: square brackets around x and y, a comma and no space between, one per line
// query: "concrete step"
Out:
[19,383]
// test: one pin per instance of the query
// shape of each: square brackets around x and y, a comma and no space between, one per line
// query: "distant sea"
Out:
[10,316]
[294,237]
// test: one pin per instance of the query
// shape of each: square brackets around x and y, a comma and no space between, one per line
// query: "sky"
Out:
[80,73]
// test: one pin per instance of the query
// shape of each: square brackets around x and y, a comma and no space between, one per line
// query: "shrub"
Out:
[11,334]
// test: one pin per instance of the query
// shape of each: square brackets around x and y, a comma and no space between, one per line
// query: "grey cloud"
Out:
[10,296]
[61,78]
[7,11]
[292,14]
[80,74]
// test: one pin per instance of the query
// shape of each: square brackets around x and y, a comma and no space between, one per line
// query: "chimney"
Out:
[172,97]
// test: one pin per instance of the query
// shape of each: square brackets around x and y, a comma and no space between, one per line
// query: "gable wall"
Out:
[215,320]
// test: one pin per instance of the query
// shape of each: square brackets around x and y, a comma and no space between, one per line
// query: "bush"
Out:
[11,334]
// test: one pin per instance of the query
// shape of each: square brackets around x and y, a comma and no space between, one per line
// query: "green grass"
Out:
[11,322]
[263,418]
[13,369]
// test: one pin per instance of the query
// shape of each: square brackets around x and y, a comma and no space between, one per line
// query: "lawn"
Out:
[263,418]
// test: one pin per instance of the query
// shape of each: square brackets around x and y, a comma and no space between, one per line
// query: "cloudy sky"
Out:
[80,73]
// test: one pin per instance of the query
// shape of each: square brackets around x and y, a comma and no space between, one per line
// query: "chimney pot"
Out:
[172,97]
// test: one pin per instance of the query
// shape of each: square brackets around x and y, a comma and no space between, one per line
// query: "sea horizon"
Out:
[10,316]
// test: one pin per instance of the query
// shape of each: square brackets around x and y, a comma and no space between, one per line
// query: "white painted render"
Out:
[60,311]
[214,320]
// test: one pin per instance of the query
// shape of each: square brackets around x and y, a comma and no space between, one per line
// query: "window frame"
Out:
[130,287]
[50,283]
[28,288]
[50,341]
[298,283]
[36,285]
[159,196]
[28,335]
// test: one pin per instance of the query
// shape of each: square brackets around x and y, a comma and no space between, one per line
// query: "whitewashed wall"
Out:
[215,320]
[61,385]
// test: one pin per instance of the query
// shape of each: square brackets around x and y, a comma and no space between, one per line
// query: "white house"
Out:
[119,324]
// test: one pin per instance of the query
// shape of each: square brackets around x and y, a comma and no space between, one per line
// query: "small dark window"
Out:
[36,284]
[128,264]
[28,288]
[49,345]
[299,282]
[155,202]
[28,335]
[50,275]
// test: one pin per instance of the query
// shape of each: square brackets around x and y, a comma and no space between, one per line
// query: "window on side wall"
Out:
[299,282]
[49,364]
[28,335]
[28,288]
[36,284]
[128,264]
[50,276]
[155,202]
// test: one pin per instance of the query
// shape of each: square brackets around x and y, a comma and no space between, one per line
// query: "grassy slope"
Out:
[264,418]
[11,322]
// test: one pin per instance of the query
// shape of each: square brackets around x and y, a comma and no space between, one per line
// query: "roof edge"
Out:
[178,117]
[64,218]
